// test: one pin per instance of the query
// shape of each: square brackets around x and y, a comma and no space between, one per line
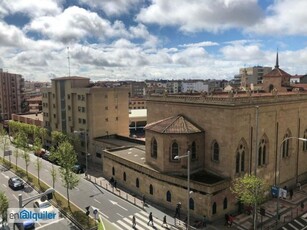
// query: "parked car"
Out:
[79,168]
[46,156]
[16,183]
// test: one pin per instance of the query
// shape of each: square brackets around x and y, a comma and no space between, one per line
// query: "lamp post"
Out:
[85,133]
[278,174]
[188,186]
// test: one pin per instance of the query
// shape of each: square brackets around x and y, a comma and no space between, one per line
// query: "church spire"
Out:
[277,65]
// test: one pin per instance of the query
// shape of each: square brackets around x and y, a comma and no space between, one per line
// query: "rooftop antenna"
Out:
[68,60]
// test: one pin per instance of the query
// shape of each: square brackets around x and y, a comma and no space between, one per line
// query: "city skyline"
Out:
[142,39]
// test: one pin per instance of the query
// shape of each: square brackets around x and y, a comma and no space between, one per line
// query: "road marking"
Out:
[293,226]
[46,170]
[120,215]
[7,177]
[115,203]
[4,185]
[124,224]
[53,222]
[117,226]
[15,197]
[104,215]
[77,188]
[299,223]
[97,201]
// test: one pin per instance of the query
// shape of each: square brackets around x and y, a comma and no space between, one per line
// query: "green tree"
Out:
[21,141]
[4,205]
[53,173]
[38,166]
[250,190]
[67,158]
[4,140]
[26,157]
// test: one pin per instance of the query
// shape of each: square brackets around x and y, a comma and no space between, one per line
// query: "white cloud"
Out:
[112,7]
[250,53]
[200,44]
[205,15]
[11,36]
[284,17]
[32,8]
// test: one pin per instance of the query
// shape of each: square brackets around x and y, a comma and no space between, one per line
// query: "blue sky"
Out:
[150,39]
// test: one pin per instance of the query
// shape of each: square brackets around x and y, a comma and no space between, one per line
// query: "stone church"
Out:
[225,135]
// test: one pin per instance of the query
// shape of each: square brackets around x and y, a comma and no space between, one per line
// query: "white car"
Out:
[43,206]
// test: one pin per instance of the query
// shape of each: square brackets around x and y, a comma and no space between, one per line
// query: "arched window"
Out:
[286,145]
[168,196]
[305,142]
[137,183]
[113,171]
[124,176]
[225,203]
[271,87]
[193,149]
[240,157]
[262,152]
[175,150]
[151,189]
[215,151]
[191,204]
[154,148]
[214,208]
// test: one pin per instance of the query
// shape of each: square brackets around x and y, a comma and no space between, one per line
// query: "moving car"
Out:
[25,225]
[43,206]
[16,183]
[79,168]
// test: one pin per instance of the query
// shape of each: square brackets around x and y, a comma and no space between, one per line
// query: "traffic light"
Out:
[87,210]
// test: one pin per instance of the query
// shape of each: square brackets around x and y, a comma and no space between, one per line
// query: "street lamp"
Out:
[278,174]
[188,172]
[85,133]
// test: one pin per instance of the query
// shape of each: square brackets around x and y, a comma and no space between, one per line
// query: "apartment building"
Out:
[254,75]
[11,95]
[73,104]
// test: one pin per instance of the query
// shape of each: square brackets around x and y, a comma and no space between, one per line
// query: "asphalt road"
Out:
[27,192]
[114,209]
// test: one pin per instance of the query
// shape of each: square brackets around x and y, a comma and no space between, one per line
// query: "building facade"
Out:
[254,74]
[226,135]
[11,95]
[73,104]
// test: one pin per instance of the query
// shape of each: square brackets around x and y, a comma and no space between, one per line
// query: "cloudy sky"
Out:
[150,39]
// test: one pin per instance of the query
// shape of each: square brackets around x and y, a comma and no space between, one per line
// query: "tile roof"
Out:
[277,72]
[176,124]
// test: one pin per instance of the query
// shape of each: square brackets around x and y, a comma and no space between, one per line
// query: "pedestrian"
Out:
[291,193]
[144,200]
[164,222]
[133,221]
[299,186]
[226,219]
[205,221]
[302,205]
[150,219]
[176,212]
[230,220]
[115,183]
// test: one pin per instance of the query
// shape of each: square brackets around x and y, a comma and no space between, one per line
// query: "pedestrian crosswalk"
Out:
[296,224]
[141,222]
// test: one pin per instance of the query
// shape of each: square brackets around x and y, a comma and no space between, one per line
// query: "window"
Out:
[83,121]
[106,108]
[191,204]
[151,189]
[68,96]
[215,151]
[113,171]
[240,158]
[214,208]
[285,145]
[106,119]
[225,203]
[168,196]
[262,152]
[154,148]
[305,142]
[98,155]
[124,176]
[137,183]
[193,149]
[175,151]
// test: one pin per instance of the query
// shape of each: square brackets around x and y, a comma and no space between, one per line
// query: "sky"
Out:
[150,39]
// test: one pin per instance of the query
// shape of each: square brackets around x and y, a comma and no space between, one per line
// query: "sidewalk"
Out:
[288,209]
